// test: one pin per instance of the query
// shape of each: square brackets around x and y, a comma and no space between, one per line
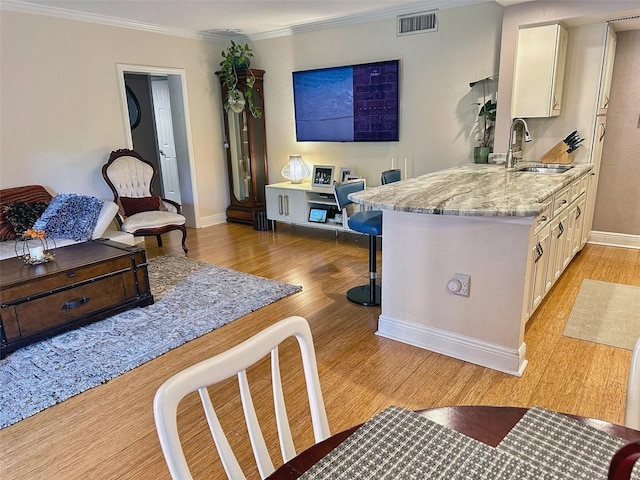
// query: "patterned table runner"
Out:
[554,442]
[401,444]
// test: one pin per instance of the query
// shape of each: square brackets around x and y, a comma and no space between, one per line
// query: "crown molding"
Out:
[49,11]
[23,7]
[384,14]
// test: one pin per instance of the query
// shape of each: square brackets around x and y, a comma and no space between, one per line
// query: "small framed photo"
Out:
[350,178]
[323,175]
[344,173]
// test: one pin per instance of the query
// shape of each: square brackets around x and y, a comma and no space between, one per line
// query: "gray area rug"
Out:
[191,299]
[606,313]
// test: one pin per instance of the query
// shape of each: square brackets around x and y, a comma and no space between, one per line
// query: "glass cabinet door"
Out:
[246,152]
[240,155]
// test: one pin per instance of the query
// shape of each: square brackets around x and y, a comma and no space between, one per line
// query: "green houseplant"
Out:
[486,121]
[488,115]
[236,58]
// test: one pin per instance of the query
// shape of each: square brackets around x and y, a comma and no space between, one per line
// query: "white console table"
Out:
[290,203]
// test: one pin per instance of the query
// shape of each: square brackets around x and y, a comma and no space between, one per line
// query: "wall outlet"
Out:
[459,284]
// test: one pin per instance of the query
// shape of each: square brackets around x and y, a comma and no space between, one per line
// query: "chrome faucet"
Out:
[511,160]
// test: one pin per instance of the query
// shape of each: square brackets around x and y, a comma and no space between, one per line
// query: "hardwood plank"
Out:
[108,432]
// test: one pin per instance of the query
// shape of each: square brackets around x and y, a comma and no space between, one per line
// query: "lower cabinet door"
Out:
[286,205]
[540,254]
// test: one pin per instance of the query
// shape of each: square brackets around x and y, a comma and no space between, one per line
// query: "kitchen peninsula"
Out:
[512,232]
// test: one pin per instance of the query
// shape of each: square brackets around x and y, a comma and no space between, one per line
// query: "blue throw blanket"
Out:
[70,216]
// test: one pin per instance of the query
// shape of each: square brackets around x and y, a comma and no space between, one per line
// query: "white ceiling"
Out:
[253,19]
[230,18]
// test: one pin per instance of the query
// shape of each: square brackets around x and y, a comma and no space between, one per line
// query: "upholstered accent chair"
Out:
[130,178]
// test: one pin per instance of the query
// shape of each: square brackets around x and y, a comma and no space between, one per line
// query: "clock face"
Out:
[237,102]
[134,108]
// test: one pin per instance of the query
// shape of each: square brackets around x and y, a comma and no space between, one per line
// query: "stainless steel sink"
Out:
[545,168]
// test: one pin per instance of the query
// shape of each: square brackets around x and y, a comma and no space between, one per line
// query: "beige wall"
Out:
[61,111]
[438,114]
[618,206]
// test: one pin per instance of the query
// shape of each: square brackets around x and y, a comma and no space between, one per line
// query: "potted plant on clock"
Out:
[237,57]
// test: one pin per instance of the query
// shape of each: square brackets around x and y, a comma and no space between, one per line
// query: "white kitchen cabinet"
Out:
[540,257]
[557,248]
[600,130]
[607,71]
[578,223]
[539,71]
[564,237]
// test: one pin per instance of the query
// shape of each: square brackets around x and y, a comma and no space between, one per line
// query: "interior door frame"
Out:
[190,204]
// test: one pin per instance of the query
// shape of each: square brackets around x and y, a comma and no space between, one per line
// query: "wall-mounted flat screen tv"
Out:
[356,103]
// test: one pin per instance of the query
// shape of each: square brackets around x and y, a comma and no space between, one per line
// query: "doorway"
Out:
[159,130]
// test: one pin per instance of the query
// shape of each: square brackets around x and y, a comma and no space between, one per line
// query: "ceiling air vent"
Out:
[418,23]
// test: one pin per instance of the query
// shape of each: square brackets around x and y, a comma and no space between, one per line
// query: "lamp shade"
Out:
[296,170]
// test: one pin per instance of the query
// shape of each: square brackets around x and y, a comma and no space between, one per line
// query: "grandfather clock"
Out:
[246,147]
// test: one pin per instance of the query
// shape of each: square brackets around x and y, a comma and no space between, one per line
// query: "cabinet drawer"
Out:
[561,200]
[64,279]
[584,184]
[544,217]
[43,313]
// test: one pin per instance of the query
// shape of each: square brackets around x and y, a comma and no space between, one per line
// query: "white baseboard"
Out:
[615,239]
[212,220]
[496,357]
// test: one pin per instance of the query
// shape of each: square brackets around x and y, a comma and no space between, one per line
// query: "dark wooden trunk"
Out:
[86,282]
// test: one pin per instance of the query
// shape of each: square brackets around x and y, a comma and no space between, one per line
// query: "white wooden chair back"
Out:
[632,411]
[225,365]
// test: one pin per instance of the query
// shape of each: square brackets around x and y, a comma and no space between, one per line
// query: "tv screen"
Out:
[357,103]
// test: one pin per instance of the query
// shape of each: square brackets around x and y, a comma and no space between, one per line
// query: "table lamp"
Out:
[296,170]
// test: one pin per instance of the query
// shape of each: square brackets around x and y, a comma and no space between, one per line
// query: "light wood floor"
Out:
[108,432]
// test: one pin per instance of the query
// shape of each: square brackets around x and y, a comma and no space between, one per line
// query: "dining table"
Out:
[488,426]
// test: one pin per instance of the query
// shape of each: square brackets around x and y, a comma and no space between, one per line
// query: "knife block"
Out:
[558,154]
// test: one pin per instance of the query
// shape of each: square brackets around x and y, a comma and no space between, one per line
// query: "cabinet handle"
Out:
[561,228]
[556,103]
[79,302]
[539,252]
[606,101]
[603,126]
[280,205]
[578,212]
[286,205]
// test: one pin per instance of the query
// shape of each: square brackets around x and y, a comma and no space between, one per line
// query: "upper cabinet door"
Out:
[539,71]
[607,71]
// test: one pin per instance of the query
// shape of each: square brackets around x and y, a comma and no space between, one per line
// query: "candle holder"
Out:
[34,248]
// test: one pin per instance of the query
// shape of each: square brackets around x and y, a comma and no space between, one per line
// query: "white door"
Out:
[166,145]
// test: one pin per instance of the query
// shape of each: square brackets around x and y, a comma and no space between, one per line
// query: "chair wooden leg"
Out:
[159,239]
[183,228]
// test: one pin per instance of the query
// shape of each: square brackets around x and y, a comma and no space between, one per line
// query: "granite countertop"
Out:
[471,190]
